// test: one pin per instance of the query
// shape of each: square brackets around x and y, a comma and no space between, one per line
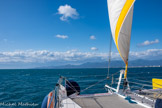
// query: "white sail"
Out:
[120,16]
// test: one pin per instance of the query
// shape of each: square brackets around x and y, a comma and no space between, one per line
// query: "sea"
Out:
[27,87]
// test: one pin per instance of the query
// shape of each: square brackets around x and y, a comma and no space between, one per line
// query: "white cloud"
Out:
[43,56]
[92,37]
[145,43]
[67,12]
[94,48]
[62,36]
[150,54]
[47,56]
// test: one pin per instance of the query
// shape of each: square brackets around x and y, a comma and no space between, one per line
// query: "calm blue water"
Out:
[31,85]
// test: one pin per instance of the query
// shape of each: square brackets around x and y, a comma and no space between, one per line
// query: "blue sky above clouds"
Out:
[40,31]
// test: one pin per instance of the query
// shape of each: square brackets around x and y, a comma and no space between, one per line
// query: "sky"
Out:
[54,32]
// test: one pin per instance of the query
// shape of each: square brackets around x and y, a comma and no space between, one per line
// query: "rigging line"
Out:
[130,73]
[142,81]
[86,85]
[109,56]
[72,87]
[140,84]
[70,77]
[159,95]
[149,78]
[87,76]
[93,84]
[116,73]
[92,89]
[139,76]
[144,85]
[85,81]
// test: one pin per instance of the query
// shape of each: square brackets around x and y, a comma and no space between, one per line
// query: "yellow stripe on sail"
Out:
[120,21]
[157,83]
[125,74]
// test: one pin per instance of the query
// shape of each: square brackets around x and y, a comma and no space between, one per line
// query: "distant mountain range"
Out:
[104,64]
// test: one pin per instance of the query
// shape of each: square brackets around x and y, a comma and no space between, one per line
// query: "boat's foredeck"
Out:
[110,101]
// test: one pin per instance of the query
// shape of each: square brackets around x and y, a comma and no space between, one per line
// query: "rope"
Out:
[92,89]
[72,87]
[109,56]
[71,77]
[93,84]
[146,78]
[147,82]
[85,81]
[144,85]
[130,73]
[142,80]
[140,84]
[87,76]
[87,85]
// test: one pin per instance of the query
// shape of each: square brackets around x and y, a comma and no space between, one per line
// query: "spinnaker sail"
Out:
[120,16]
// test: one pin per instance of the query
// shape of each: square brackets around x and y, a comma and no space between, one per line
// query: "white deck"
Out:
[109,101]
[68,103]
